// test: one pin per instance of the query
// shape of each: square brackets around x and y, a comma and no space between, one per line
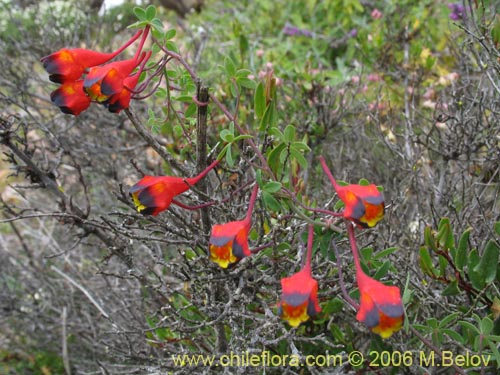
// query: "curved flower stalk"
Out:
[70,64]
[299,297]
[229,242]
[152,195]
[381,308]
[363,204]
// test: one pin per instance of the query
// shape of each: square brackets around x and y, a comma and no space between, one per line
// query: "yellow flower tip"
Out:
[388,326]
[223,255]
[373,214]
[294,315]
[140,207]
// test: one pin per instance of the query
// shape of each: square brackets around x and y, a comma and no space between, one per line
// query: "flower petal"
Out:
[151,195]
[70,98]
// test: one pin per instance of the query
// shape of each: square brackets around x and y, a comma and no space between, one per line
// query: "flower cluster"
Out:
[381,308]
[87,75]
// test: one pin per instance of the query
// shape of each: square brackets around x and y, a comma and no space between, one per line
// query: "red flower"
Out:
[107,80]
[70,98]
[152,195]
[69,64]
[121,100]
[229,242]
[299,296]
[363,204]
[381,309]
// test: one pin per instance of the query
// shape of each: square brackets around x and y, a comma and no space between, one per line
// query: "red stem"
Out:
[143,40]
[354,247]
[194,180]
[129,42]
[328,173]
[251,204]
[346,295]
[310,237]
[192,208]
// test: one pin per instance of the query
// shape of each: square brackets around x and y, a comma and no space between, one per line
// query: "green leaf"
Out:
[140,13]
[289,133]
[445,234]
[157,25]
[451,289]
[497,228]
[270,201]
[461,253]
[469,326]
[246,82]
[150,12]
[447,320]
[229,67]
[241,136]
[297,155]
[407,292]
[223,152]
[243,45]
[489,262]
[171,46]
[138,25]
[272,187]
[476,278]
[242,73]
[301,146]
[364,182]
[453,335]
[274,157]
[259,101]
[258,177]
[191,110]
[430,239]
[169,34]
[382,271]
[426,262]
[496,354]
[333,306]
[226,136]
[269,119]
[486,326]
[229,157]
[385,252]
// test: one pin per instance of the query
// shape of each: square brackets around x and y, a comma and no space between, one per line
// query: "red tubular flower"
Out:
[69,64]
[107,80]
[152,195]
[121,100]
[363,204]
[104,81]
[70,98]
[381,308]
[299,296]
[229,242]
